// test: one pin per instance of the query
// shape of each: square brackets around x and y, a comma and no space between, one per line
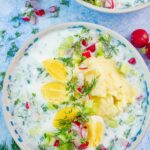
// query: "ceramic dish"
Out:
[95,98]
[125,7]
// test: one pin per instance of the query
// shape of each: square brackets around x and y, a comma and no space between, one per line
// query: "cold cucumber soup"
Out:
[118,4]
[78,89]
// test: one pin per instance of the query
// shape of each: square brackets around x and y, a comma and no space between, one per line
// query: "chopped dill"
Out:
[67,61]
[65,2]
[89,87]
[72,84]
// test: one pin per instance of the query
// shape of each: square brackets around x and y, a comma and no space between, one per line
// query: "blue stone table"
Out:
[13,33]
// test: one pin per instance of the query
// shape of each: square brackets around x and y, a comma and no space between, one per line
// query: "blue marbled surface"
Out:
[121,23]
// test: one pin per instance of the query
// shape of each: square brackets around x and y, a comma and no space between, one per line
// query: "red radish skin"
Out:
[83,146]
[132,61]
[109,4]
[87,54]
[84,43]
[56,143]
[139,38]
[83,68]
[40,12]
[77,123]
[52,9]
[27,105]
[148,50]
[27,19]
[91,48]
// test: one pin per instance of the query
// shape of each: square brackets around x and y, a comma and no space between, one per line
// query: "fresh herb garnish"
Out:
[14,146]
[35,30]
[16,20]
[87,88]
[67,61]
[66,138]
[3,146]
[109,49]
[82,116]
[64,123]
[34,94]
[2,34]
[13,49]
[72,84]
[44,108]
[65,2]
[17,101]
[2,75]
[83,140]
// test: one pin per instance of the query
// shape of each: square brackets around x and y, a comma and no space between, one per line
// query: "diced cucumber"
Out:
[66,44]
[62,137]
[34,131]
[51,106]
[130,119]
[124,68]
[89,106]
[99,49]
[47,139]
[98,3]
[105,38]
[112,123]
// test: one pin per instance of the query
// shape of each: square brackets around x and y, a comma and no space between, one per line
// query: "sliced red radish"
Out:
[40,12]
[84,43]
[80,88]
[27,105]
[83,68]
[52,9]
[33,19]
[148,50]
[27,19]
[77,123]
[87,54]
[83,146]
[56,143]
[132,61]
[83,132]
[139,97]
[91,48]
[109,4]
[103,148]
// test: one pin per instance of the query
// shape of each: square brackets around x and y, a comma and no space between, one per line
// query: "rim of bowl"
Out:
[53,28]
[113,11]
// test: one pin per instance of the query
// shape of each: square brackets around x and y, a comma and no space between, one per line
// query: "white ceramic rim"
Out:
[113,11]
[20,53]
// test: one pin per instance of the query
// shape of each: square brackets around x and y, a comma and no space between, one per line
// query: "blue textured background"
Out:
[121,23]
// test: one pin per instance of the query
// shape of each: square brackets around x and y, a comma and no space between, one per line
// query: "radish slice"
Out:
[109,4]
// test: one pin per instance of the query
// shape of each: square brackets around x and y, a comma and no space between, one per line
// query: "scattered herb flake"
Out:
[67,61]
[35,30]
[2,34]
[65,2]
[17,101]
[13,49]
[14,146]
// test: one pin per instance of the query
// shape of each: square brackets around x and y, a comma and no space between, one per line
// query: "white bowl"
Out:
[113,11]
[18,137]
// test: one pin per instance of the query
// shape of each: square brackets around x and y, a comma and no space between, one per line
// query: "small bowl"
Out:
[113,11]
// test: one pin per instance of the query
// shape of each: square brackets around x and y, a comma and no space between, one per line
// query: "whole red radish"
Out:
[139,38]
[148,50]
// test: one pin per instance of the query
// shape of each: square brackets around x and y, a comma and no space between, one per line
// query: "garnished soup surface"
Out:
[78,89]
